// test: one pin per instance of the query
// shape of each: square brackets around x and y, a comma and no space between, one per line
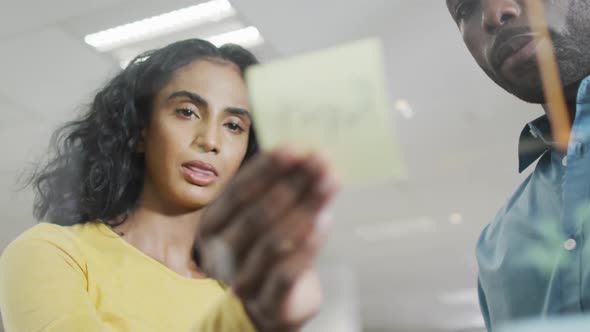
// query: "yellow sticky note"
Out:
[334,101]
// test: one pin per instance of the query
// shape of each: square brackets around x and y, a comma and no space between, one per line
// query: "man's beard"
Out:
[573,60]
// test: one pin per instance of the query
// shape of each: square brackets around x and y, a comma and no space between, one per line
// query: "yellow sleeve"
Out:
[227,315]
[43,285]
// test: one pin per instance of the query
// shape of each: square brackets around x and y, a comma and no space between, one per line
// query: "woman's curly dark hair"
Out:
[94,172]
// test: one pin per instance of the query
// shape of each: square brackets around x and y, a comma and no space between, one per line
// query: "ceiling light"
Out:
[159,25]
[404,107]
[456,218]
[246,37]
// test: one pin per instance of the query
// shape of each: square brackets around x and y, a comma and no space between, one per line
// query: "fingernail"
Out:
[322,226]
[283,155]
[287,149]
[315,161]
[324,221]
[328,185]
[290,153]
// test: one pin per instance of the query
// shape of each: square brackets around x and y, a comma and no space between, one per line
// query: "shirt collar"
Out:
[535,140]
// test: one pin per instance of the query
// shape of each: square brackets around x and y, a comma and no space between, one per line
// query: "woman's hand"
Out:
[262,234]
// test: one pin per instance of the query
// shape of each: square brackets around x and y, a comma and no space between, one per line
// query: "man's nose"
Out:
[497,13]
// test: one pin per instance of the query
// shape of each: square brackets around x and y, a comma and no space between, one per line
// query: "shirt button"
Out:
[564,161]
[570,245]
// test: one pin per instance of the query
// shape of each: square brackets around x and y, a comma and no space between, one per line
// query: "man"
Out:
[534,258]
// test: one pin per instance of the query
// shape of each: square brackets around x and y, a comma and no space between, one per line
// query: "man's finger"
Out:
[256,177]
[273,206]
[271,303]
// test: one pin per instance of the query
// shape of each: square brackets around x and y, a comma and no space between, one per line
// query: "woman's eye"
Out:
[234,127]
[187,113]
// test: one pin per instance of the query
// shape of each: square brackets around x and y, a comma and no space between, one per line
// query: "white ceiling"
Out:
[33,15]
[401,256]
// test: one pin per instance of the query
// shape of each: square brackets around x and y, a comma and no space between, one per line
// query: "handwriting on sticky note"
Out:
[334,101]
[329,117]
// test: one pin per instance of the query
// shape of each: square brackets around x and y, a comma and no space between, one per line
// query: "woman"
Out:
[129,245]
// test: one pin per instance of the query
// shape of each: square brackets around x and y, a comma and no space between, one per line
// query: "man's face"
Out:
[500,38]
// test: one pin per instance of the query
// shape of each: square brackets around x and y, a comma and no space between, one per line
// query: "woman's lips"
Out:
[199,173]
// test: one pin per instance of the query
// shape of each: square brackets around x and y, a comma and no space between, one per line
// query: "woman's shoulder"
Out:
[47,237]
[47,232]
[46,254]
[42,230]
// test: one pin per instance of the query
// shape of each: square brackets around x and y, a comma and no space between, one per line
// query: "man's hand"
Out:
[263,233]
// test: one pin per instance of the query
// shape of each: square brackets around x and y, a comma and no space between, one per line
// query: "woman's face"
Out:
[197,136]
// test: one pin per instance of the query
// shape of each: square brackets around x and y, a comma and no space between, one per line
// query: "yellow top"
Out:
[86,278]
